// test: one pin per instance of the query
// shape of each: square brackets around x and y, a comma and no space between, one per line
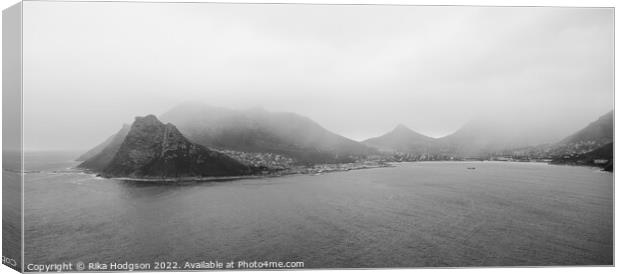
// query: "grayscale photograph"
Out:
[214,136]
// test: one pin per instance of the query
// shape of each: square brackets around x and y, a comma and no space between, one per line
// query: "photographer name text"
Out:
[160,265]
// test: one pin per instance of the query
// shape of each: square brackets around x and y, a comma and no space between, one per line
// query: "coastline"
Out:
[297,170]
[304,170]
[593,166]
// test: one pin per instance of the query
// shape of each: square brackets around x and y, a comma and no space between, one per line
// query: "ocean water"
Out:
[424,214]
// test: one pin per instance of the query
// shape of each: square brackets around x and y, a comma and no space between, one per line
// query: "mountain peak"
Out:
[151,148]
[401,138]
[402,128]
[148,119]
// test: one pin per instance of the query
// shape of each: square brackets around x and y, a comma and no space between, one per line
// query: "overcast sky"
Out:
[357,70]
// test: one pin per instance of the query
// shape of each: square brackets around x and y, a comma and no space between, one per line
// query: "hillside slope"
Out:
[258,130]
[152,149]
[402,139]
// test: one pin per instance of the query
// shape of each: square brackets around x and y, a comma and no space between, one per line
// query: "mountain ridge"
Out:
[152,149]
[402,139]
[600,130]
[258,130]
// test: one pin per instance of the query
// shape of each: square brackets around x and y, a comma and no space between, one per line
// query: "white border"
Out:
[563,3]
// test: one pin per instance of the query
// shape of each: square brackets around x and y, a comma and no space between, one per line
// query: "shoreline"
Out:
[314,170]
[190,179]
[592,166]
[299,170]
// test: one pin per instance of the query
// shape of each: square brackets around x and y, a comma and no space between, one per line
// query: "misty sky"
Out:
[356,70]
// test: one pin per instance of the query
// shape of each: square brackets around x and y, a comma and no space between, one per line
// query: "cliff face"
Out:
[152,149]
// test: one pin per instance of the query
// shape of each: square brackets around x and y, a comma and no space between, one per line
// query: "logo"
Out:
[80,266]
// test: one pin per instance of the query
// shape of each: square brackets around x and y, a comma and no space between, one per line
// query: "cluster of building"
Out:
[270,161]
[412,157]
[531,155]
[576,148]
[326,168]
[280,164]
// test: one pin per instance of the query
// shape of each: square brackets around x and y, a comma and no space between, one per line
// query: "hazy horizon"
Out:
[356,70]
[158,115]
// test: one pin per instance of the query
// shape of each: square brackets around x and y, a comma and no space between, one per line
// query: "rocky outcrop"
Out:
[152,149]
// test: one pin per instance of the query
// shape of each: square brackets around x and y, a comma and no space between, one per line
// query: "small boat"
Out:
[471,168]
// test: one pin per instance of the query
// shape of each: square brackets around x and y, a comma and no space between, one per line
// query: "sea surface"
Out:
[422,214]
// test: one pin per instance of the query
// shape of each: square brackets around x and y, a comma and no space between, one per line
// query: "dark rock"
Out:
[602,157]
[152,149]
